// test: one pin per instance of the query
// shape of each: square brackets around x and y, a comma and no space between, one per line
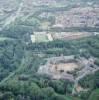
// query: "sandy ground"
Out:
[64,66]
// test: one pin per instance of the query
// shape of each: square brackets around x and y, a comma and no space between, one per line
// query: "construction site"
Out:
[61,67]
[68,68]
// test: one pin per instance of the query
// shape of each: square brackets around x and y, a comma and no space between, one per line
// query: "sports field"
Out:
[41,38]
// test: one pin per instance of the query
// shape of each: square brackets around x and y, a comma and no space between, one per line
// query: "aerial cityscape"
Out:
[49,49]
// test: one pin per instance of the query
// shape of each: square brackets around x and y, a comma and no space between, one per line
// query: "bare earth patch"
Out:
[59,68]
[65,66]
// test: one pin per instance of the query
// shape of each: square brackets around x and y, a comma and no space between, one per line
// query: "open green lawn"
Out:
[4,38]
[41,38]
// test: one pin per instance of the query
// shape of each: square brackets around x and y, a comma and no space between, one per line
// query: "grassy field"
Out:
[41,38]
[94,95]
[4,38]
